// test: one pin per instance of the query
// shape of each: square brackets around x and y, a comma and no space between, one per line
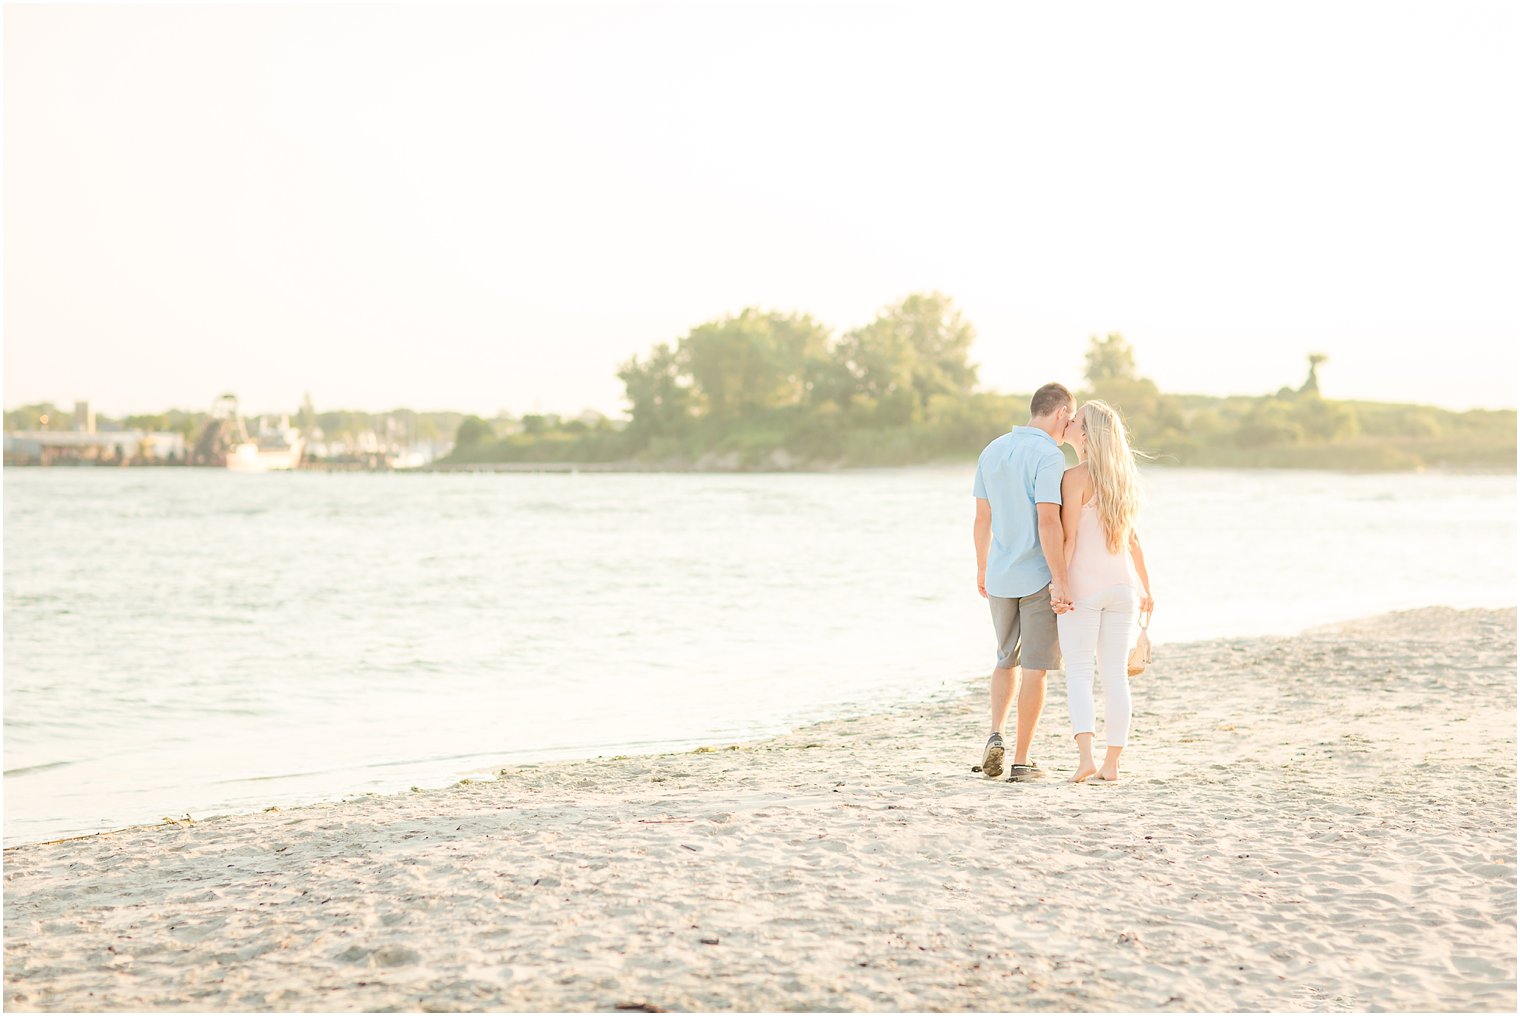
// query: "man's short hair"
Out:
[1050,398]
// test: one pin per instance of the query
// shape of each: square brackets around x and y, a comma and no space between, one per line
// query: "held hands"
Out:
[1060,602]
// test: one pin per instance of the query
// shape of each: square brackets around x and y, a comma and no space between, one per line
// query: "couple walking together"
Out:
[1060,563]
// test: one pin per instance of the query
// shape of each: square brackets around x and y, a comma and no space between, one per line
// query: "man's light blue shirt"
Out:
[1015,472]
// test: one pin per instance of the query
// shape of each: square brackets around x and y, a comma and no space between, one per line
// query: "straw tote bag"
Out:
[1140,656]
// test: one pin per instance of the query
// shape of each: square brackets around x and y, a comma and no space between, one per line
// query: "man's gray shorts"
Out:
[1026,631]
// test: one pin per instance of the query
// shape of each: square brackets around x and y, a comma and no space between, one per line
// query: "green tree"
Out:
[187,423]
[540,423]
[879,358]
[1322,420]
[658,394]
[743,365]
[1311,383]
[1110,359]
[912,352]
[1155,421]
[1270,421]
[829,384]
[473,431]
[147,422]
[38,416]
[345,424]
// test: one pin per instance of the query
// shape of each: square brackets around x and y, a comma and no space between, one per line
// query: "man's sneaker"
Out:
[1021,771]
[992,758]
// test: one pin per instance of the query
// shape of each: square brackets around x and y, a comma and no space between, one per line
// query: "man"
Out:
[1021,569]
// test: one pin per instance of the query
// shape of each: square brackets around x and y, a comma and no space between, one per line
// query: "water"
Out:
[193,641]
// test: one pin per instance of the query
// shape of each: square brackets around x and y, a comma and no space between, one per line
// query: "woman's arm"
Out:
[1146,602]
[1072,483]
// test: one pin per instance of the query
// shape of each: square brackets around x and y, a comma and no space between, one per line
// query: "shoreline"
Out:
[674,746]
[1317,821]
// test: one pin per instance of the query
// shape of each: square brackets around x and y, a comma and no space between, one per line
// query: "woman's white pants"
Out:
[1100,628]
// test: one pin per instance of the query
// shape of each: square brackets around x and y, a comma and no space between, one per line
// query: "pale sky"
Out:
[489,207]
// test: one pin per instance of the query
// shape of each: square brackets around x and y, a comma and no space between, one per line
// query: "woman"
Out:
[1106,579]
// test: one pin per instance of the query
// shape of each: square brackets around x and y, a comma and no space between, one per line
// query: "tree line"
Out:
[770,390]
[763,389]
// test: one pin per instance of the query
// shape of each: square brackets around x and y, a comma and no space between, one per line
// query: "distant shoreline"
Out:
[634,467]
[666,467]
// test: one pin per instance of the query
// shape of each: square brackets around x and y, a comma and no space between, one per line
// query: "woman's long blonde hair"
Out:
[1111,465]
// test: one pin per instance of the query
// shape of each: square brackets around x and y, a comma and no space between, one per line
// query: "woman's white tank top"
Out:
[1094,567]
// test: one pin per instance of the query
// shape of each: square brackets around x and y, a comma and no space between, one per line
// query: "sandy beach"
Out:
[1318,822]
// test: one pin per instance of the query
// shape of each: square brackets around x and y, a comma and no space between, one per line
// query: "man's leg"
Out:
[1031,701]
[1041,653]
[1005,625]
[1003,679]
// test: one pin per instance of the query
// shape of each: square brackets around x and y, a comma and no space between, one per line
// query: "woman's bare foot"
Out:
[1110,771]
[1085,767]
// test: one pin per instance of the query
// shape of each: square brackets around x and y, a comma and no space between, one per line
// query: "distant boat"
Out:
[274,447]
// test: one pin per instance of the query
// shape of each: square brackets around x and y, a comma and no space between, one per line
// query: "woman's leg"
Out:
[1078,631]
[1116,629]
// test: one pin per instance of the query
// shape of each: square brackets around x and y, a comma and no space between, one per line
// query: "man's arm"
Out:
[1047,496]
[981,535]
[1053,544]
